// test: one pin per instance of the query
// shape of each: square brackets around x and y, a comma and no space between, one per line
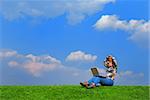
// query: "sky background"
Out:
[54,42]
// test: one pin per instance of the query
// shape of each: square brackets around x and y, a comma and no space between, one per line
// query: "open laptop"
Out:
[96,73]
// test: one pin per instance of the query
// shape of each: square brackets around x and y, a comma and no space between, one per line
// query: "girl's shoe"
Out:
[85,84]
[82,84]
[90,86]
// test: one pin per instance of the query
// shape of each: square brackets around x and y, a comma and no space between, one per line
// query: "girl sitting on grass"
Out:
[111,65]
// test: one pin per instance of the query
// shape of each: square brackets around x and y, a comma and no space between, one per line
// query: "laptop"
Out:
[96,73]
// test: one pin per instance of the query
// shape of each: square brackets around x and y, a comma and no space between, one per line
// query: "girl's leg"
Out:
[93,82]
[106,82]
[94,79]
[92,85]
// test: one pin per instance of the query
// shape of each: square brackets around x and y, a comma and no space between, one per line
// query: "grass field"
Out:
[74,93]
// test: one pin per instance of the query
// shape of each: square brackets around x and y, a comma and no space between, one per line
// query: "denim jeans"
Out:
[101,81]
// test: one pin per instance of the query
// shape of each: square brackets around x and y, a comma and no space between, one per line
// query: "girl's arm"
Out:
[112,74]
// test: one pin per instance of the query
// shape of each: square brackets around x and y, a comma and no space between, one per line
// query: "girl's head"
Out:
[109,61]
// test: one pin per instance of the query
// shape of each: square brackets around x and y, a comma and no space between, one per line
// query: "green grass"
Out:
[74,93]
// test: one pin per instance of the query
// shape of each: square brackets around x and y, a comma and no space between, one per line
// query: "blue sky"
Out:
[58,41]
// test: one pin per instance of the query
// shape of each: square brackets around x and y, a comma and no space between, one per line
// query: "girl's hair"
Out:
[113,61]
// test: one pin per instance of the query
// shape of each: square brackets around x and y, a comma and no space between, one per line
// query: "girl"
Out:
[111,65]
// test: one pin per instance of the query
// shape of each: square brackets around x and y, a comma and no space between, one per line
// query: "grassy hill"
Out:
[74,93]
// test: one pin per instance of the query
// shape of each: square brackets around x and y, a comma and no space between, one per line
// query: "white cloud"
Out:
[131,78]
[127,77]
[13,63]
[81,56]
[46,69]
[139,29]
[36,68]
[46,59]
[55,71]
[7,53]
[33,64]
[75,10]
[37,65]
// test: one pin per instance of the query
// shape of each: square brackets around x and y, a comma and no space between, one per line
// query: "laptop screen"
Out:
[95,72]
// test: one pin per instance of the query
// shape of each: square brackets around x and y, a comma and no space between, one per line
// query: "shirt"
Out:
[111,72]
